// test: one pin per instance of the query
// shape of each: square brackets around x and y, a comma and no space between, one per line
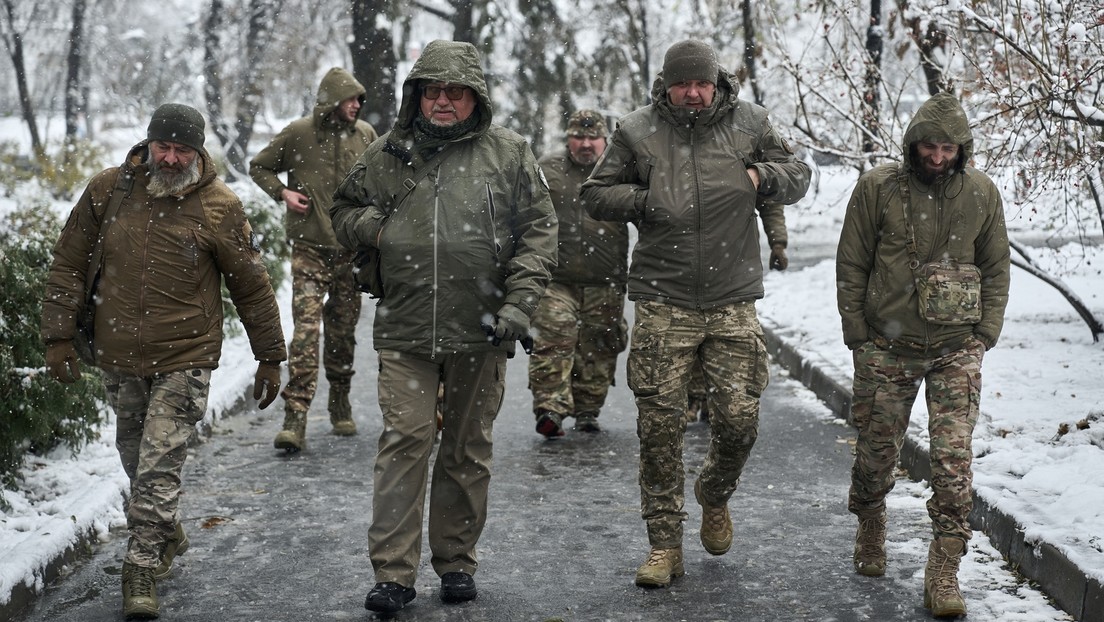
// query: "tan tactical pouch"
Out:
[949,292]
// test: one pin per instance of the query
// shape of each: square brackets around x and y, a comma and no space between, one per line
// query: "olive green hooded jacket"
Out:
[475,233]
[316,152]
[163,265]
[960,215]
[681,176]
[590,252]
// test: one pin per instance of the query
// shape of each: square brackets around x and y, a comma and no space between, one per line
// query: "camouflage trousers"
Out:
[666,342]
[885,387]
[324,297]
[408,384]
[577,334]
[156,419]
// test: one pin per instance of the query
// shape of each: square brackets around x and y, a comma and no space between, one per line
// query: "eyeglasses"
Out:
[454,93]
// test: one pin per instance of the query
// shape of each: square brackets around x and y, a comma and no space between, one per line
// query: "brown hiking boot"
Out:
[177,545]
[870,554]
[139,593]
[716,528]
[662,566]
[941,592]
[293,437]
[341,411]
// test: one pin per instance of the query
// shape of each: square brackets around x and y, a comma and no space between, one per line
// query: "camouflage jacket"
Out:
[960,215]
[477,231]
[316,152]
[163,265]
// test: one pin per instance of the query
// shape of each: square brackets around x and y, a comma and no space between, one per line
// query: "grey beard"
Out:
[163,184]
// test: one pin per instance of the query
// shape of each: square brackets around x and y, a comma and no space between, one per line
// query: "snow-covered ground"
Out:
[1044,375]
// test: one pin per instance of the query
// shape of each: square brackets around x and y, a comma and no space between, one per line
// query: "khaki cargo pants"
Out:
[474,384]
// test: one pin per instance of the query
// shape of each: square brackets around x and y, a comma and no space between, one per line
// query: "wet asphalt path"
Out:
[279,538]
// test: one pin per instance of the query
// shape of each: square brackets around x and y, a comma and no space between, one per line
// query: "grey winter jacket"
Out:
[681,176]
[960,215]
[475,233]
[316,152]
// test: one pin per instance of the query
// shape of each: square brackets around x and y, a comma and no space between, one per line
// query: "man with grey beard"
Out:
[149,244]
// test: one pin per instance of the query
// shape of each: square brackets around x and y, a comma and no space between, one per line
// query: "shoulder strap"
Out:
[123,185]
[910,231]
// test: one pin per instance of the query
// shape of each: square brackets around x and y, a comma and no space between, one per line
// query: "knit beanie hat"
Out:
[689,60]
[177,123]
[586,124]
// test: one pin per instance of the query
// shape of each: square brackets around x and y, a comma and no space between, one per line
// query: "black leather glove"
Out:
[266,383]
[511,324]
[61,362]
[778,259]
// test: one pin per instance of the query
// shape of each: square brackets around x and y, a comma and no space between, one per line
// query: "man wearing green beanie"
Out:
[688,170]
[150,244]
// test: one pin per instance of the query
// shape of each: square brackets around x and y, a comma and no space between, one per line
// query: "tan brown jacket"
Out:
[164,261]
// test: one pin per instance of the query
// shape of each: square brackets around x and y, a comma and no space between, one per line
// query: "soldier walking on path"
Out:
[316,152]
[459,214]
[689,170]
[156,238]
[922,279]
[579,326]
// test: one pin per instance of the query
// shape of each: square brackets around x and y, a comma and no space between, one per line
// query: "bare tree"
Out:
[872,81]
[12,28]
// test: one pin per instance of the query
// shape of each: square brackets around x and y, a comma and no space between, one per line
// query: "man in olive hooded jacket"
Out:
[930,219]
[317,152]
[689,170]
[461,216]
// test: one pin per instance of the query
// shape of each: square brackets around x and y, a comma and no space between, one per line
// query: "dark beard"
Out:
[168,183]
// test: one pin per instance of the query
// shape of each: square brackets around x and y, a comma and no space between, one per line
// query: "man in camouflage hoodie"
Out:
[179,233]
[689,170]
[579,327]
[317,152]
[460,214]
[930,214]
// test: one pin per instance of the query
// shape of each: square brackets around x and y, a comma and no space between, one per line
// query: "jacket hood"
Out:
[336,86]
[941,119]
[725,98]
[456,62]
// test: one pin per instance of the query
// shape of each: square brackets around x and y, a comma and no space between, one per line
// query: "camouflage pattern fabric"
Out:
[156,419]
[666,342]
[577,334]
[885,387]
[324,294]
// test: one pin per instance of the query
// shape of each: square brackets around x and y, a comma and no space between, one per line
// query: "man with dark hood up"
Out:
[689,170]
[317,152]
[460,215]
[579,327]
[177,234]
[922,273]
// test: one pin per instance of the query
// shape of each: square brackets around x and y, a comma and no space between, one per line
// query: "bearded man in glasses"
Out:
[461,217]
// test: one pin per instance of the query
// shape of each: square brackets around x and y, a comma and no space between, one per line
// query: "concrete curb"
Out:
[1072,590]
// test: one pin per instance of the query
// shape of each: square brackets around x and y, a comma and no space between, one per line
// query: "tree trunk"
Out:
[463,21]
[262,17]
[212,82]
[873,79]
[751,49]
[73,80]
[14,44]
[374,62]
